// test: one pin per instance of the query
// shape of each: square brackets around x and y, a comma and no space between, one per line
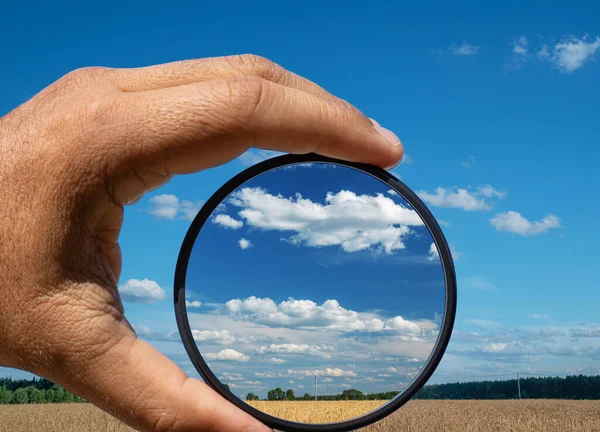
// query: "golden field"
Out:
[317,412]
[416,416]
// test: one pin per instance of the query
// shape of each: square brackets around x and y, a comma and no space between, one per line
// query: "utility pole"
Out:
[519,385]
[315,387]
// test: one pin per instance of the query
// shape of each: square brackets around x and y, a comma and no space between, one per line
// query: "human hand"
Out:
[96,140]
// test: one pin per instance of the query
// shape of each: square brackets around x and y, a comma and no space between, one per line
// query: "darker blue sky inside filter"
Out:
[405,282]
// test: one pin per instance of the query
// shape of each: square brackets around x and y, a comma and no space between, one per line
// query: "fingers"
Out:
[190,71]
[143,388]
[188,128]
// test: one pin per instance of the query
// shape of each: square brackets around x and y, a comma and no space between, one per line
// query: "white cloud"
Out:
[464,49]
[353,222]
[308,314]
[571,53]
[168,206]
[462,198]
[254,156]
[585,332]
[544,52]
[227,355]
[512,221]
[244,244]
[141,291]
[275,360]
[227,221]
[489,191]
[407,160]
[194,303]
[217,336]
[164,206]
[327,372]
[520,46]
[291,348]
[231,376]
[433,253]
[189,209]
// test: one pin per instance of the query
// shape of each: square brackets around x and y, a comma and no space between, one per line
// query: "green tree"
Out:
[276,394]
[251,397]
[20,396]
[306,396]
[289,395]
[34,395]
[5,396]
[353,394]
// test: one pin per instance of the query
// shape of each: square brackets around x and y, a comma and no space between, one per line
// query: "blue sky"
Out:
[495,104]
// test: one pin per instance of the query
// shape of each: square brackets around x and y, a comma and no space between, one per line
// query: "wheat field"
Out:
[416,416]
[317,412]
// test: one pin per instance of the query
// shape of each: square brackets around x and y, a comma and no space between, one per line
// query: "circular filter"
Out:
[315,294]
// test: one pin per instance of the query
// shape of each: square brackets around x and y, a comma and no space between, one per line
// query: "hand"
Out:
[97,140]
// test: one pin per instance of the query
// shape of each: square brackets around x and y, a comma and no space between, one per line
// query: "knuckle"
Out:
[256,65]
[85,75]
[236,101]
[248,94]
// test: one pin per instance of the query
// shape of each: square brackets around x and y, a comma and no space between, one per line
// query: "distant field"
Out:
[416,416]
[316,412]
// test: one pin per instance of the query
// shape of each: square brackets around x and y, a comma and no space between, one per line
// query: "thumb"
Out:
[143,388]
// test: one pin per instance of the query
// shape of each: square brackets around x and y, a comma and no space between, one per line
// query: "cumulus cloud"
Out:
[353,222]
[291,348]
[168,206]
[244,243]
[571,53]
[216,336]
[141,291]
[512,221]
[227,355]
[231,376]
[293,313]
[464,199]
[520,46]
[433,253]
[227,221]
[275,360]
[327,372]
[194,303]
[489,191]
[585,332]
[464,49]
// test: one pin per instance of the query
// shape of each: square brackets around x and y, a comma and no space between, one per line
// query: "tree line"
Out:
[569,387]
[40,390]
[34,391]
[278,394]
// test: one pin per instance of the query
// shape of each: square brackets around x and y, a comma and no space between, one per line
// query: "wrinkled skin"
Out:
[98,139]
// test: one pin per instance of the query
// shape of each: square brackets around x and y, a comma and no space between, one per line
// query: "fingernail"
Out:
[388,135]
